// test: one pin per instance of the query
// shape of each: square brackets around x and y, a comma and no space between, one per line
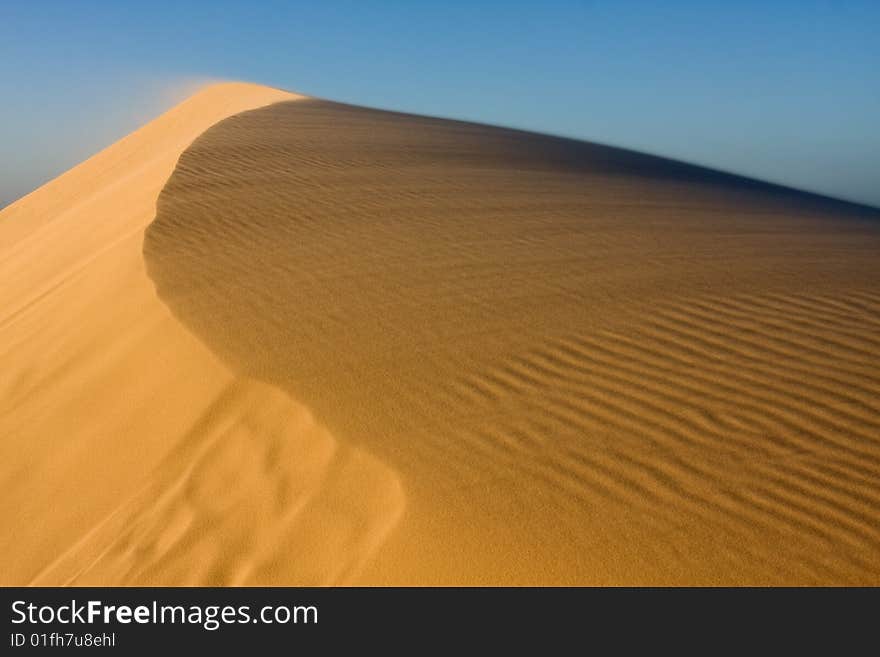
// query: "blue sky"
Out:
[787,91]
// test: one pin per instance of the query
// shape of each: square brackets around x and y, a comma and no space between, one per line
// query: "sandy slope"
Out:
[393,349]
[586,365]
[128,453]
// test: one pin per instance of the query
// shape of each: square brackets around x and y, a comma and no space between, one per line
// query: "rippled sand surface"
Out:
[582,364]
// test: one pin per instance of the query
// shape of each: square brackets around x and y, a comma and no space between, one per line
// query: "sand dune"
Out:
[384,348]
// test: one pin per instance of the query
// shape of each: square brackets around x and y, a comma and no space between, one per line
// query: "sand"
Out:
[340,345]
[129,454]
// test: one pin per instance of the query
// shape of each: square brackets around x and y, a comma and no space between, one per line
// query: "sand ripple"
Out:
[587,365]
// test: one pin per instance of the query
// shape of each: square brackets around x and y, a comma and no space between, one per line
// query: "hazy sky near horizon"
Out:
[787,91]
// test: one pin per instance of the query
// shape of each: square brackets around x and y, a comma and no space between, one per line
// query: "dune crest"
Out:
[119,430]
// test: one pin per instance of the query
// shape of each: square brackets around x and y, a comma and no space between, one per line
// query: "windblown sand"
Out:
[389,349]
[129,454]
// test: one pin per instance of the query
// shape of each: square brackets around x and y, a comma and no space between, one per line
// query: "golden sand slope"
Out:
[128,453]
[586,365]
